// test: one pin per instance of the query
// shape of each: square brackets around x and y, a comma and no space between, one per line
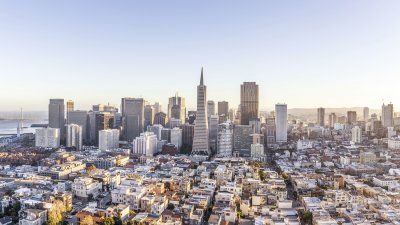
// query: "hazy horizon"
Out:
[306,54]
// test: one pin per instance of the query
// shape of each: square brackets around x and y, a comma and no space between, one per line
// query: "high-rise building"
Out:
[223,108]
[270,131]
[166,134]
[387,115]
[74,136]
[99,121]
[321,117]
[156,129]
[332,120]
[351,117]
[242,139]
[80,117]
[132,117]
[148,115]
[210,108]
[281,122]
[174,123]
[255,123]
[200,140]
[248,102]
[160,118]
[257,151]
[213,132]
[70,107]
[176,137]
[47,137]
[108,139]
[356,134]
[177,107]
[223,111]
[145,144]
[225,139]
[156,108]
[57,116]
[342,119]
[187,135]
[191,116]
[366,114]
[98,108]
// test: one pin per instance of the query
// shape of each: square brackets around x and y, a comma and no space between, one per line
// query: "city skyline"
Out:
[295,53]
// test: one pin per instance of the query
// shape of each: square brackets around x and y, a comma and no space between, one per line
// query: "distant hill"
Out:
[29,115]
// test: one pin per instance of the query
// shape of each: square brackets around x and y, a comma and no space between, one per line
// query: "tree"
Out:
[109,221]
[55,214]
[88,220]
[261,175]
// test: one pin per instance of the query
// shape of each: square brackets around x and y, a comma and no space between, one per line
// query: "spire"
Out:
[201,78]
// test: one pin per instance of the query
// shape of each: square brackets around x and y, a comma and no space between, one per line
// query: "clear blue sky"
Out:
[303,53]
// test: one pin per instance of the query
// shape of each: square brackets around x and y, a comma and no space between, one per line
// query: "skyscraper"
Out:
[356,134]
[200,139]
[351,117]
[176,137]
[70,107]
[223,108]
[210,108]
[132,117]
[332,120]
[145,144]
[223,111]
[321,117]
[80,117]
[57,116]
[270,131]
[108,139]
[281,122]
[160,118]
[74,136]
[387,115]
[177,107]
[248,102]
[47,137]
[225,139]
[148,115]
[366,114]
[99,121]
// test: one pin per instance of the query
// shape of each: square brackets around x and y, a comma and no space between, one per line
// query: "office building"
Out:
[70,107]
[177,108]
[57,116]
[187,135]
[257,151]
[210,108]
[351,117]
[242,139]
[321,117]
[80,117]
[174,123]
[156,107]
[176,137]
[356,134]
[145,144]
[132,110]
[332,119]
[200,141]
[248,102]
[270,131]
[156,129]
[166,134]
[366,114]
[47,138]
[74,136]
[223,108]
[160,118]
[108,139]
[387,115]
[225,139]
[148,115]
[99,121]
[255,123]
[281,122]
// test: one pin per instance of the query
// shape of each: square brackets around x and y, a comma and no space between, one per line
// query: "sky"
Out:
[303,53]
